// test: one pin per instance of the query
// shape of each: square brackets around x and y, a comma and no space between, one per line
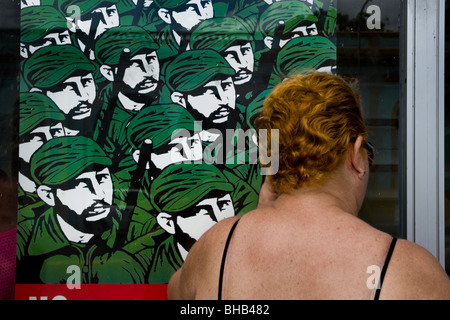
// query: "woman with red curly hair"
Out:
[305,240]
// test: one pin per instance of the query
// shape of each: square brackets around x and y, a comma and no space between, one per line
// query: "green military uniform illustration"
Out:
[40,121]
[180,18]
[159,135]
[187,200]
[65,75]
[128,61]
[41,26]
[304,54]
[146,111]
[80,223]
[88,20]
[231,38]
[201,81]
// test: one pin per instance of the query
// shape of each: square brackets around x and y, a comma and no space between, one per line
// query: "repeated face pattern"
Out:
[137,125]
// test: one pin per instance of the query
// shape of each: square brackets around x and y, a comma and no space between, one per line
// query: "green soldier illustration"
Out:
[232,38]
[128,60]
[40,121]
[180,18]
[41,26]
[327,13]
[160,135]
[201,81]
[74,181]
[303,54]
[64,75]
[285,20]
[88,20]
[138,13]
[280,22]
[300,54]
[187,199]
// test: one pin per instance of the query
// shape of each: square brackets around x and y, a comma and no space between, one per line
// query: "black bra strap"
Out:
[386,263]
[222,267]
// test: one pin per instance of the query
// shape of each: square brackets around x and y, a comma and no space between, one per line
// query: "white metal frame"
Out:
[424,160]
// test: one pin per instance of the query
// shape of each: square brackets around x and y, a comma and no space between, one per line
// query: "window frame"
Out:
[423,181]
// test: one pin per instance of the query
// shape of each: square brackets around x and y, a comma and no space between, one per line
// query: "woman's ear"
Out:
[166,222]
[46,194]
[357,159]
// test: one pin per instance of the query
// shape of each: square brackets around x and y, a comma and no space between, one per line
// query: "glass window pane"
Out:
[9,70]
[368,42]
[447,138]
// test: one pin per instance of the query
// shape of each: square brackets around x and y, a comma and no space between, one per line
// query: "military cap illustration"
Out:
[181,186]
[62,159]
[88,20]
[220,33]
[35,110]
[305,53]
[38,21]
[50,66]
[160,123]
[111,44]
[40,121]
[288,15]
[41,26]
[192,69]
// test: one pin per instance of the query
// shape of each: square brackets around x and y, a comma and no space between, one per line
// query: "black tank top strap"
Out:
[383,271]
[224,256]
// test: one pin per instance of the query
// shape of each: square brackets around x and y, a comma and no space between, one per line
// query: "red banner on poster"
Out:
[91,292]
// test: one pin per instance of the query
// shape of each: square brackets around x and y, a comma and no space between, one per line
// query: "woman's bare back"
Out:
[274,254]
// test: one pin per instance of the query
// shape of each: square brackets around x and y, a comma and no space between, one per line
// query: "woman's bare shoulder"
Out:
[202,260]
[414,273]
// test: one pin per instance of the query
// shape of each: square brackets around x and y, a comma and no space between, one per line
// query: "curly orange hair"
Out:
[317,116]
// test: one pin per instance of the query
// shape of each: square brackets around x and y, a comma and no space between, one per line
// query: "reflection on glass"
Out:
[368,45]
